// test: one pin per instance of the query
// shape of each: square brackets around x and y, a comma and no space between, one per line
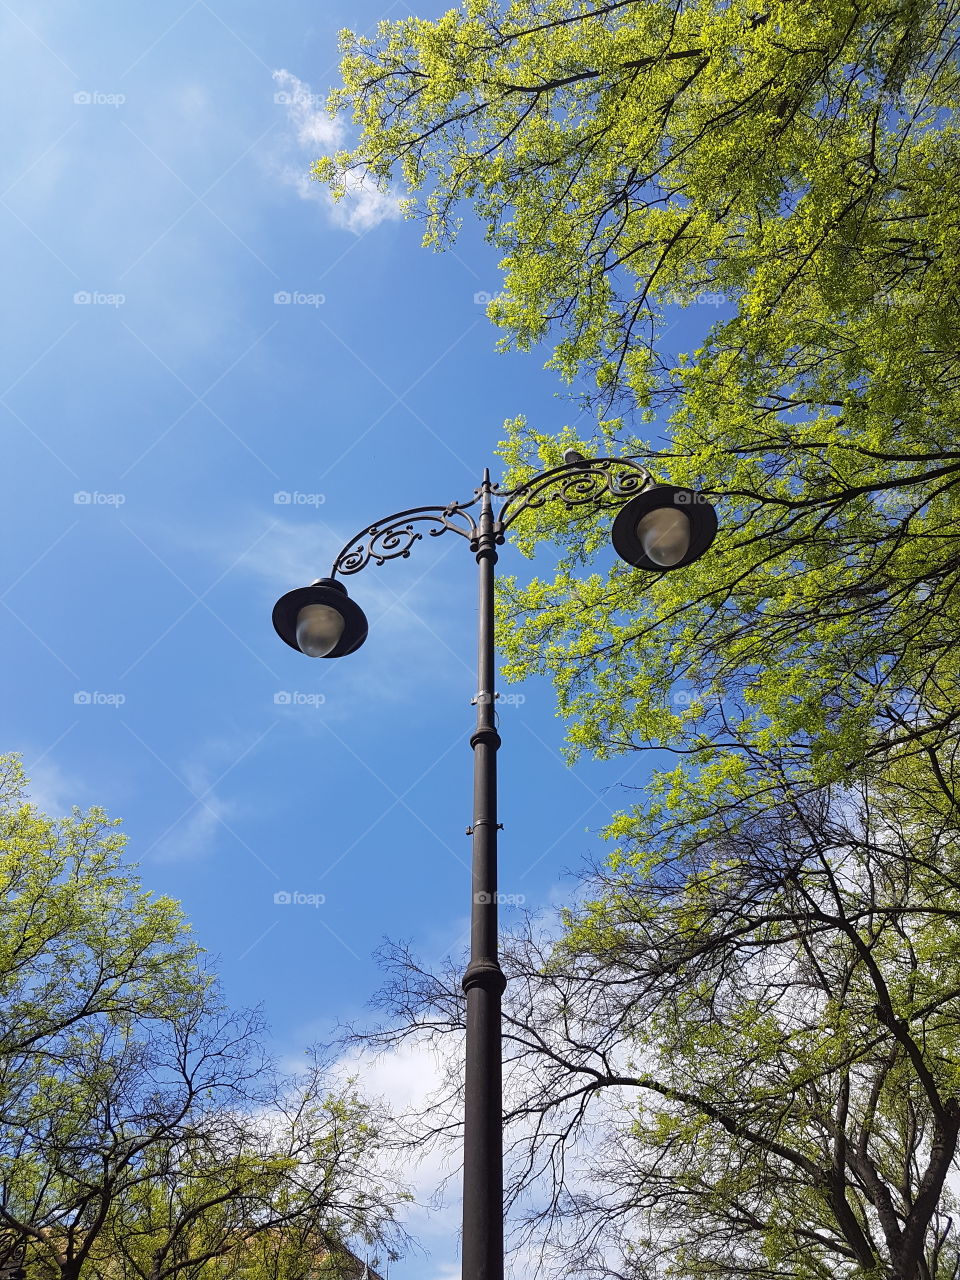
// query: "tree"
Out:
[738,1060]
[79,938]
[144,1132]
[800,162]
[84,1123]
[763,988]
[267,1195]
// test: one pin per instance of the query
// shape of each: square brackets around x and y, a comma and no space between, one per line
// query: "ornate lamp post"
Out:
[658,528]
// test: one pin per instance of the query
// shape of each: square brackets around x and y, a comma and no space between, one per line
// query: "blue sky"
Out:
[156,397]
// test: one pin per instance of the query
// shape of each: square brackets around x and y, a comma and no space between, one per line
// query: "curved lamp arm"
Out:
[578,482]
[393,537]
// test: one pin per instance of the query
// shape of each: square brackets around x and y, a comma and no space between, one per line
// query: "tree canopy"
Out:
[145,1132]
[801,162]
[737,1058]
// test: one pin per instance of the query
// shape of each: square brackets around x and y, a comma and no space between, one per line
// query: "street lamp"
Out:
[320,620]
[658,528]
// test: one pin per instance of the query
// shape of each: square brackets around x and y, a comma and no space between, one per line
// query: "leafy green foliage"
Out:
[800,161]
[763,987]
[79,938]
[738,1060]
[144,1132]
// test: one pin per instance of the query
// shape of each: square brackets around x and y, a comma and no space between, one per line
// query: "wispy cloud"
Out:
[409,1079]
[407,611]
[51,789]
[193,835]
[193,830]
[313,130]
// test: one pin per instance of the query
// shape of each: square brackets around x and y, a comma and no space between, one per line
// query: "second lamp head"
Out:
[665,527]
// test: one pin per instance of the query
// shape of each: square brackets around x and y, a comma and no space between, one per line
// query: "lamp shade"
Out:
[320,620]
[663,528]
[319,628]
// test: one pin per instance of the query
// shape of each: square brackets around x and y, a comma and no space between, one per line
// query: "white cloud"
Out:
[314,126]
[315,131]
[193,833]
[192,836]
[364,206]
[51,789]
[408,1079]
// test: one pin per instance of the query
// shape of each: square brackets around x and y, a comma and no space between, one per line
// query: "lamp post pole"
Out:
[483,981]
[658,527]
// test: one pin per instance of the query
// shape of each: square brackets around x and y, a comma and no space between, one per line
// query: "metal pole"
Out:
[483,981]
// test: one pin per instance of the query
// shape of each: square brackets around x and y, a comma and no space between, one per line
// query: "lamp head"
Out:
[663,528]
[320,620]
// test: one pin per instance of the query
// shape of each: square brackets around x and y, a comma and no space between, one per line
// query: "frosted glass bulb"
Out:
[319,628]
[664,534]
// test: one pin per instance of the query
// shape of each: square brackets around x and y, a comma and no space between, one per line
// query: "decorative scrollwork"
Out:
[393,538]
[579,482]
[590,481]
